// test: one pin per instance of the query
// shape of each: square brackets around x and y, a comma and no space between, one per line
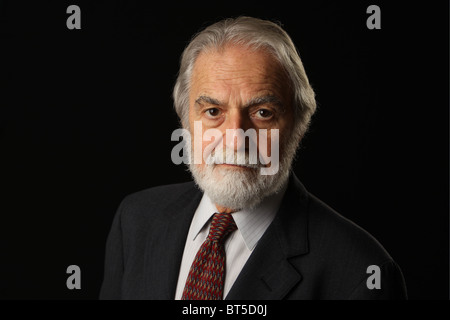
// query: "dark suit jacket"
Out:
[308,252]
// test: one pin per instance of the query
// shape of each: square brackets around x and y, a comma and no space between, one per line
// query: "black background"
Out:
[86,117]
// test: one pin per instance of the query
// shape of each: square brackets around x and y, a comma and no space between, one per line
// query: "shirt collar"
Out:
[252,223]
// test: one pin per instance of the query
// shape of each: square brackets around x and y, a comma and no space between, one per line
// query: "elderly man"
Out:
[237,233]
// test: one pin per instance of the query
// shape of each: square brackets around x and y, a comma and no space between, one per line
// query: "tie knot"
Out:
[222,224]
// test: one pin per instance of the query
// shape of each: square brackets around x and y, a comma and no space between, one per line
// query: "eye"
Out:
[264,114]
[212,112]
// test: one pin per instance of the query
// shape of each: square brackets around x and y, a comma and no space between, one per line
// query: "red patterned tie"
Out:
[207,273]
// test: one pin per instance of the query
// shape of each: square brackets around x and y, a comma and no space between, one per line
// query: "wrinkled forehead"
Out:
[238,69]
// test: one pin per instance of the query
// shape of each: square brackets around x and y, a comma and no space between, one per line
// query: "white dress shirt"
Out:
[238,246]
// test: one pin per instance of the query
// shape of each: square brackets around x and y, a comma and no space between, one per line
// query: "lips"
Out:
[242,166]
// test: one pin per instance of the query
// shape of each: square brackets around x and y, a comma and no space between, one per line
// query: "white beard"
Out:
[236,188]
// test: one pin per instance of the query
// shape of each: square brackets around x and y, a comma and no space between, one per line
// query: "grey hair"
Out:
[256,34]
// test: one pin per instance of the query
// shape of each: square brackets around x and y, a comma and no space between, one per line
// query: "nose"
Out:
[236,124]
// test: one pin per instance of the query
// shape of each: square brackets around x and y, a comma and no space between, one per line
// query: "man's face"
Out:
[239,88]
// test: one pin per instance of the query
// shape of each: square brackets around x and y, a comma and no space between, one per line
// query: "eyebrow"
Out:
[253,102]
[208,100]
[268,99]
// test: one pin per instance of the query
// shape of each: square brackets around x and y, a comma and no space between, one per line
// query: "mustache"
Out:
[239,158]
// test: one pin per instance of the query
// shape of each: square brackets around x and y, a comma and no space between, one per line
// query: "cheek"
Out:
[264,143]
[286,126]
[203,142]
[275,139]
[191,118]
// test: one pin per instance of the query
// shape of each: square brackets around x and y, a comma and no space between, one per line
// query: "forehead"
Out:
[237,69]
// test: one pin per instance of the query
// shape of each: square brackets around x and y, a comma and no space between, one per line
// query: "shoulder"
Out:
[329,232]
[346,238]
[151,204]
[352,254]
[159,195]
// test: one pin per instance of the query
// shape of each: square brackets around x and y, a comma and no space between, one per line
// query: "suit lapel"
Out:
[164,249]
[270,272]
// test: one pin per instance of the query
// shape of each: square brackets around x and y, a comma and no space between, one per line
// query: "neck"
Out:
[224,209]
